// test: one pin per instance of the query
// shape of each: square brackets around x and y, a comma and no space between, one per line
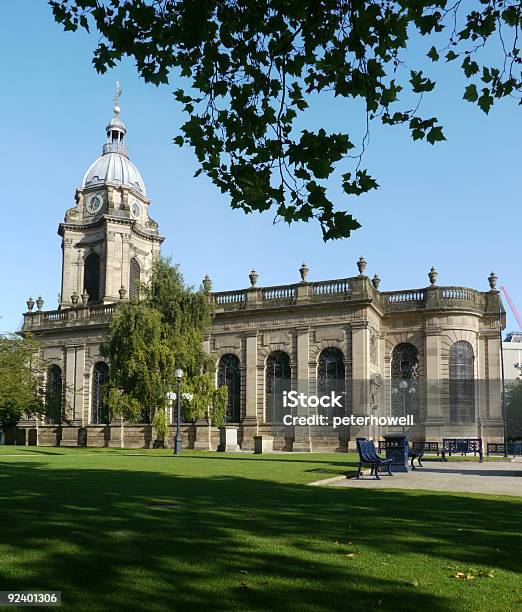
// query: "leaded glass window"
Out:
[331,378]
[134,279]
[405,367]
[91,277]
[229,374]
[277,380]
[99,411]
[461,383]
[54,396]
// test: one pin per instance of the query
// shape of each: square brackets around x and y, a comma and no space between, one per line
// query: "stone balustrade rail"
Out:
[350,290]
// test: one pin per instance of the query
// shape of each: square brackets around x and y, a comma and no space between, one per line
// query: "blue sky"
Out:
[455,205]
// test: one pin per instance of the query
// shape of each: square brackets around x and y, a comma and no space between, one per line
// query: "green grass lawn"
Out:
[143,530]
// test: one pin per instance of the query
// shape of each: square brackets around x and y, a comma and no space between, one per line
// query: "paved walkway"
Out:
[493,477]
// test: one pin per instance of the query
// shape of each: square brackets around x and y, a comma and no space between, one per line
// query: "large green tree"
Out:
[513,409]
[21,392]
[150,338]
[249,69]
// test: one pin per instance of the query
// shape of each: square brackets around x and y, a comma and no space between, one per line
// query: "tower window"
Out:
[134,279]
[91,277]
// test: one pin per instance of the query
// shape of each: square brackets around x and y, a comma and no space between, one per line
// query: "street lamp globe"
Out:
[403,385]
[412,391]
[179,373]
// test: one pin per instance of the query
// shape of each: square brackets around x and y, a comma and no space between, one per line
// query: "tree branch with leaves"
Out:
[250,69]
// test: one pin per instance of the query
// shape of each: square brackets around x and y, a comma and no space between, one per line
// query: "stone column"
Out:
[250,421]
[302,438]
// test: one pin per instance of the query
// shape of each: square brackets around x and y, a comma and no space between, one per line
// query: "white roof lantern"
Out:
[114,165]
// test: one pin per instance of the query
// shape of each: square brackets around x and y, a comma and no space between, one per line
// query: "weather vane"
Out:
[117,98]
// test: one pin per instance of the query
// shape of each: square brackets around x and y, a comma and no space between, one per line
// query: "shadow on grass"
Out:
[131,539]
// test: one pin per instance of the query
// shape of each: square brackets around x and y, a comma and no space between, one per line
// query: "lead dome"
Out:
[114,165]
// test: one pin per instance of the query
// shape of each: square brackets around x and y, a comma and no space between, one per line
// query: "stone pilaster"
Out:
[79,391]
[432,356]
[302,438]
[108,265]
[250,421]
[70,374]
[67,267]
[125,265]
[360,375]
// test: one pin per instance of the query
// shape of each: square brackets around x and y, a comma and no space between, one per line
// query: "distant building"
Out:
[512,348]
[342,334]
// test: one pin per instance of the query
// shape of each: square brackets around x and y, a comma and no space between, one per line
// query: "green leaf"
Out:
[470,93]
[485,101]
[433,55]
[435,135]
[451,55]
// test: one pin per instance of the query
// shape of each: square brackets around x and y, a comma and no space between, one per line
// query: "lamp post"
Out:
[177,442]
[403,389]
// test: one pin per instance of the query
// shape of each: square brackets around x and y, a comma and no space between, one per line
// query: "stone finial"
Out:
[207,283]
[492,279]
[433,275]
[303,271]
[85,297]
[123,292]
[376,281]
[253,276]
[30,304]
[361,265]
[39,302]
[74,299]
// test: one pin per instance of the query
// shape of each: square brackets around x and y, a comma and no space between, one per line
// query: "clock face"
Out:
[94,204]
[135,210]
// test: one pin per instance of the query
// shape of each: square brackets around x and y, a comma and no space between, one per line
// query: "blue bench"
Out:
[462,446]
[426,447]
[497,448]
[368,456]
[415,454]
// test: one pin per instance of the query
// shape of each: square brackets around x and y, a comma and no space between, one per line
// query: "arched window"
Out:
[331,377]
[277,380]
[134,279]
[405,367]
[461,383]
[230,375]
[99,412]
[54,396]
[91,277]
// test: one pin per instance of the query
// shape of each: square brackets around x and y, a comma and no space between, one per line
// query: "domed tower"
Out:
[109,239]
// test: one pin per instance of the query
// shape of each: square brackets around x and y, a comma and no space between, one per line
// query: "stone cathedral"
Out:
[342,334]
